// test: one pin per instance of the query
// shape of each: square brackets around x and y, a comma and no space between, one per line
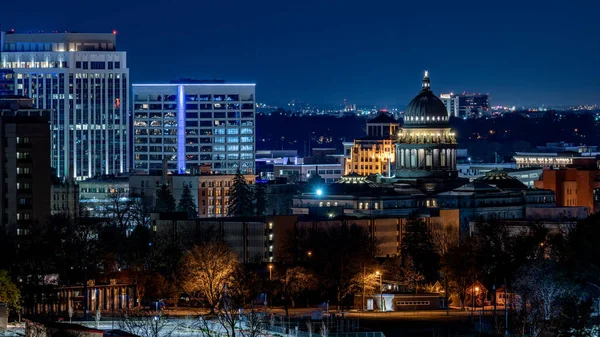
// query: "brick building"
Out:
[575,185]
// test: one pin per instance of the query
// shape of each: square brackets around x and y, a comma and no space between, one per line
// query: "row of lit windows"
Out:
[194,106]
[217,211]
[17,65]
[197,98]
[189,116]
[416,118]
[412,303]
[366,205]
[312,172]
[23,216]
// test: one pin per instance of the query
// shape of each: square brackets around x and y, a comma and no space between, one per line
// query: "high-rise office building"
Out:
[194,125]
[466,105]
[7,82]
[84,81]
[451,102]
[25,169]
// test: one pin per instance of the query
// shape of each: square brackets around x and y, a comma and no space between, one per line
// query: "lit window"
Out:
[270,225]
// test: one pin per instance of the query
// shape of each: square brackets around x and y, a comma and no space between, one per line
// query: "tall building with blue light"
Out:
[193,127]
[84,81]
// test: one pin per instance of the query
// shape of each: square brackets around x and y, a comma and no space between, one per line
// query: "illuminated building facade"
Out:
[210,191]
[84,81]
[451,102]
[375,153]
[426,147]
[193,125]
[576,185]
[466,105]
[7,82]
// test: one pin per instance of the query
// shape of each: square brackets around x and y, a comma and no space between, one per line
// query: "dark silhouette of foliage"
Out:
[165,202]
[187,203]
[417,244]
[240,197]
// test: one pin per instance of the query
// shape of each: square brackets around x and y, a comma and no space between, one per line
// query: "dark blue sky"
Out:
[370,52]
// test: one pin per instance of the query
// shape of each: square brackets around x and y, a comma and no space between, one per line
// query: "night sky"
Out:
[370,52]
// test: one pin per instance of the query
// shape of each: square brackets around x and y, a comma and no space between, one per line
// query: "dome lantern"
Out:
[426,84]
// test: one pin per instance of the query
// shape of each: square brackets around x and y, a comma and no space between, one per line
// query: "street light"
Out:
[380,289]
[474,290]
[309,253]
[270,272]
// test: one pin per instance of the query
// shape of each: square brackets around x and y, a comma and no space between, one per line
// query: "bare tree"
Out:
[404,272]
[458,268]
[444,238]
[206,271]
[324,331]
[540,288]
[146,323]
[309,327]
[118,208]
[294,282]
[238,314]
[141,207]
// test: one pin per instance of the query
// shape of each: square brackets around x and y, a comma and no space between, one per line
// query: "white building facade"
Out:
[84,81]
[193,125]
[451,102]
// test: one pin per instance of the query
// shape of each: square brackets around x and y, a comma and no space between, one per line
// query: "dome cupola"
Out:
[426,110]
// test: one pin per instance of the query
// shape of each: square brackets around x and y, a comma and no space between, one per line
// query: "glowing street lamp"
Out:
[319,192]
[380,289]
[270,272]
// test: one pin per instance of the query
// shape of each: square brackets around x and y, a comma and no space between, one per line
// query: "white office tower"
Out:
[194,126]
[451,101]
[84,81]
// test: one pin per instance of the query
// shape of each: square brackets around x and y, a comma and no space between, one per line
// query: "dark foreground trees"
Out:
[9,293]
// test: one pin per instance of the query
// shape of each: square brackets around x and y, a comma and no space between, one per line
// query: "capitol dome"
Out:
[425,110]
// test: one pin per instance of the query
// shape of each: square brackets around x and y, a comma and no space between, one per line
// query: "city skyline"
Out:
[323,53]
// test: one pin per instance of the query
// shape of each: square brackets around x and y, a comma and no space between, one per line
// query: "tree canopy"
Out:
[9,293]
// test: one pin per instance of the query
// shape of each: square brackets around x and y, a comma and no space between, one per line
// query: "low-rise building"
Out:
[65,197]
[374,153]
[302,172]
[494,196]
[210,191]
[98,195]
[261,239]
[575,185]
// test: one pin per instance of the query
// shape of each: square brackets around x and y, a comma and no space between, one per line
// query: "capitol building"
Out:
[422,177]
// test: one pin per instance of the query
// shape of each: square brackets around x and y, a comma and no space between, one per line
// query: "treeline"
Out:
[482,137]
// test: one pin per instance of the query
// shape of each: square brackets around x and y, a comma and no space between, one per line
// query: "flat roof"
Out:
[192,84]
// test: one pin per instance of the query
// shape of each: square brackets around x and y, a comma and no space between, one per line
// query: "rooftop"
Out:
[16,42]
[383,118]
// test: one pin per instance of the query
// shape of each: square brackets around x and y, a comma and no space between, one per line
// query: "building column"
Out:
[401,153]
[453,158]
